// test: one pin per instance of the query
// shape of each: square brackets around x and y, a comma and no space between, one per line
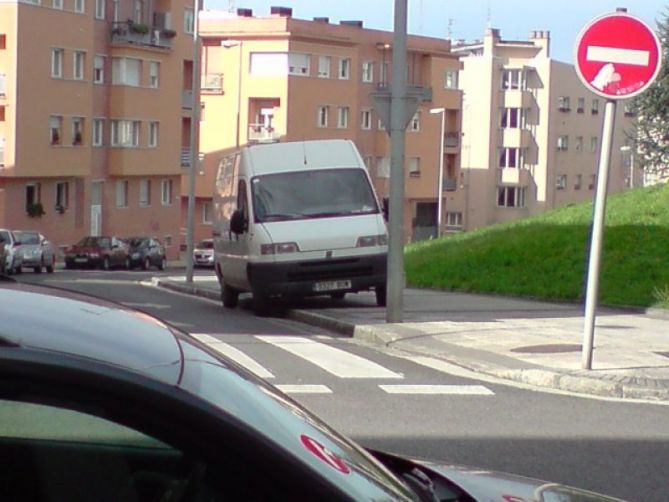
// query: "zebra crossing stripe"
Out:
[335,361]
[235,354]
[304,389]
[459,390]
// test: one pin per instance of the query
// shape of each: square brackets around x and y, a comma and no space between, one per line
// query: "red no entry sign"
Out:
[617,55]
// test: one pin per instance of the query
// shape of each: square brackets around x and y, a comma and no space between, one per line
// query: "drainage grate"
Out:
[551,348]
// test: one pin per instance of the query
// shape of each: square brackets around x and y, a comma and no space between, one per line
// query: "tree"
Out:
[651,133]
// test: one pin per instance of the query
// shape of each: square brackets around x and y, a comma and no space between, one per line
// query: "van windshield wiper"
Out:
[281,216]
[327,214]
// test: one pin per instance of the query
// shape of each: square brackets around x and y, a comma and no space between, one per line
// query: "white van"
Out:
[297,219]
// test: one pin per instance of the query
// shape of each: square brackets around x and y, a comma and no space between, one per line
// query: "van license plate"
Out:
[332,285]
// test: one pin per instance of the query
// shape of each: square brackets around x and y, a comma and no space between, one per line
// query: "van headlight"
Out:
[280,248]
[372,240]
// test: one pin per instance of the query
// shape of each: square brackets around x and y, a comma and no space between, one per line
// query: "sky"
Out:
[467,19]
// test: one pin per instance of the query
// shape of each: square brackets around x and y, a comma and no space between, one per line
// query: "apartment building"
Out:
[531,134]
[277,78]
[95,107]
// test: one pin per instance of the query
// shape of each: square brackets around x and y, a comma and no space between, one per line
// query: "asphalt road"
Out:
[390,402]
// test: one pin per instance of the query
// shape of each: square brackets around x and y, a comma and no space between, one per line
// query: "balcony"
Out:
[516,137]
[451,140]
[129,32]
[450,184]
[185,157]
[187,99]
[513,176]
[260,133]
[212,83]
[3,85]
[2,156]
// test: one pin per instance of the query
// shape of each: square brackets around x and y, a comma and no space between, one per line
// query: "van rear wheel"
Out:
[230,296]
[380,295]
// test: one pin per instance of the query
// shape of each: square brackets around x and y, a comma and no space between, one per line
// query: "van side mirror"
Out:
[238,222]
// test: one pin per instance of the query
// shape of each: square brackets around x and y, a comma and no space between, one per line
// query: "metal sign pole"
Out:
[597,234]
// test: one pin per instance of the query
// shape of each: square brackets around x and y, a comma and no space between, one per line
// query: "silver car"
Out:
[36,251]
[13,259]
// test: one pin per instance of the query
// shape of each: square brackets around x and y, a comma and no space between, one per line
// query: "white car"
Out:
[13,259]
[203,254]
[36,251]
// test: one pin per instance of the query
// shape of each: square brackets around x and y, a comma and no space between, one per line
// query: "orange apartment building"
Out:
[277,78]
[95,116]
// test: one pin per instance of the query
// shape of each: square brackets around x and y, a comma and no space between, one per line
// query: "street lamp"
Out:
[229,44]
[440,193]
[625,149]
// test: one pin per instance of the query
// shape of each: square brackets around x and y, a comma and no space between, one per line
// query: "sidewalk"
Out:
[537,343]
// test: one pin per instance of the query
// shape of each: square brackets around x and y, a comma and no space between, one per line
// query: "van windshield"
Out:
[323,193]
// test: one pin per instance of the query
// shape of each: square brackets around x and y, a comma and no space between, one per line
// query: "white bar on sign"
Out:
[304,389]
[235,354]
[335,361]
[459,390]
[615,55]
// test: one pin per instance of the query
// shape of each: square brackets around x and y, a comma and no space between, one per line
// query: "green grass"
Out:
[545,257]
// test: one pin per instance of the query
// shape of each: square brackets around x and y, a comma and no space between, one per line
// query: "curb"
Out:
[189,290]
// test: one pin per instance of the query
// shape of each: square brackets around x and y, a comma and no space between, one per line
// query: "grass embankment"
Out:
[545,257]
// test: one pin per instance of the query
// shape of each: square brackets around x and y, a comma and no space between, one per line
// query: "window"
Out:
[189,20]
[563,104]
[322,120]
[594,144]
[122,193]
[593,181]
[342,117]
[383,167]
[368,71]
[99,69]
[125,133]
[595,107]
[414,167]
[563,142]
[510,157]
[166,192]
[99,9]
[414,125]
[511,118]
[62,194]
[144,193]
[137,11]
[79,6]
[578,180]
[79,65]
[579,143]
[366,119]
[77,131]
[454,219]
[206,212]
[269,64]
[126,71]
[324,66]
[383,74]
[580,107]
[511,196]
[512,79]
[154,71]
[298,64]
[57,63]
[55,129]
[344,68]
[153,134]
[57,4]
[561,181]
[98,131]
[450,79]
[33,194]
[380,126]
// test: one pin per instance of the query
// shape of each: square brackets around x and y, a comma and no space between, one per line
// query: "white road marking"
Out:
[235,354]
[459,390]
[157,306]
[618,56]
[304,389]
[335,361]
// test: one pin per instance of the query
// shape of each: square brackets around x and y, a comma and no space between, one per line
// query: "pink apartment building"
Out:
[95,106]
[277,78]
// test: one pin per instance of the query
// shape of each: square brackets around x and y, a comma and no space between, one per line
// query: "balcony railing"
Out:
[2,156]
[450,184]
[185,157]
[212,82]
[451,140]
[260,133]
[187,99]
[129,32]
[3,84]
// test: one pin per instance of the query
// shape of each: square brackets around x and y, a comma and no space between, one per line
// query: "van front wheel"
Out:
[230,296]
[380,295]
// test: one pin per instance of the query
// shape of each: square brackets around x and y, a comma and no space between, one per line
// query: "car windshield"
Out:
[319,193]
[94,242]
[4,235]
[136,242]
[28,237]
[205,245]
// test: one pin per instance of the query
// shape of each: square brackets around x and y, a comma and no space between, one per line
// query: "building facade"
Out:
[277,78]
[531,134]
[95,116]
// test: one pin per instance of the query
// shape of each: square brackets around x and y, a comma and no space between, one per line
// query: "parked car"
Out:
[13,259]
[113,404]
[36,251]
[3,255]
[146,252]
[203,253]
[104,252]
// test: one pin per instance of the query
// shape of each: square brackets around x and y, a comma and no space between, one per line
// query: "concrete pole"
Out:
[597,235]
[395,291]
[440,200]
[194,146]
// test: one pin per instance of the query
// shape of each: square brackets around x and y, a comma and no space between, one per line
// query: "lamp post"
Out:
[229,44]
[440,192]
[626,149]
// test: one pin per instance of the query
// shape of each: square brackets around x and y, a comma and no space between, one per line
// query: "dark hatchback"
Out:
[105,252]
[146,252]
[111,404]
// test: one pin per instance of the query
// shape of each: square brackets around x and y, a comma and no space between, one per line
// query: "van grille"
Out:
[325,270]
